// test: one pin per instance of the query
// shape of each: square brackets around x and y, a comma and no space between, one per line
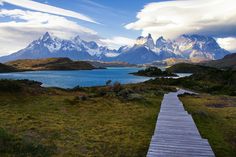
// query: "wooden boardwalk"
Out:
[176,134]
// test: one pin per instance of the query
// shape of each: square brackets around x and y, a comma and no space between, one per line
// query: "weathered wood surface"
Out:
[176,134]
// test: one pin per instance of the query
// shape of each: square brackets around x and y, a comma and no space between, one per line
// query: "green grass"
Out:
[106,121]
[61,124]
[11,145]
[215,117]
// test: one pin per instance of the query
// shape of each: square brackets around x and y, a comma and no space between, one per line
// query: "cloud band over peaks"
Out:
[173,18]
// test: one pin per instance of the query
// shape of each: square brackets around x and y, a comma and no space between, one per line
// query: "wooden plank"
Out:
[176,133]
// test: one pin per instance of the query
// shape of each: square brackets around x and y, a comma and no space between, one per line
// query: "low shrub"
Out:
[116,87]
[124,93]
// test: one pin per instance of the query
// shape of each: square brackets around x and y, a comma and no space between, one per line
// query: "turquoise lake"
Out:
[83,78]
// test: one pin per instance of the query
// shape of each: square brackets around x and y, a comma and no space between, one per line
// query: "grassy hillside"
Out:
[215,117]
[5,68]
[228,62]
[187,68]
[107,121]
[50,64]
[211,81]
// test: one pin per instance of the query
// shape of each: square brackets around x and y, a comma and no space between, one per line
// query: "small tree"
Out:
[108,82]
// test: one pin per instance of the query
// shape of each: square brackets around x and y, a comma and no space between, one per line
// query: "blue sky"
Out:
[114,22]
[112,14]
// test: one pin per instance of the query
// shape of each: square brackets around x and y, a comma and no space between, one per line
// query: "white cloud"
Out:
[118,41]
[227,43]
[27,26]
[29,4]
[173,18]
[1,3]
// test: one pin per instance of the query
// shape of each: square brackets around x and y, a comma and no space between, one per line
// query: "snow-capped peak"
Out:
[144,50]
[140,40]
[123,49]
[150,42]
[160,42]
[145,41]
[77,39]
[46,37]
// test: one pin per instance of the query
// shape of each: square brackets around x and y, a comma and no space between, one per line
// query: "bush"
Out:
[76,88]
[124,93]
[116,87]
[100,92]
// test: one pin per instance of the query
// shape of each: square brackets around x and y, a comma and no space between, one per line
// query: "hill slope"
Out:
[5,68]
[50,64]
[188,68]
[228,62]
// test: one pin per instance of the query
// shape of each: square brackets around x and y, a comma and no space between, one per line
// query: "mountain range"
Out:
[190,47]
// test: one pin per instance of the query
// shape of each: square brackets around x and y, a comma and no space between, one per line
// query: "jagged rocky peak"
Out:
[161,38]
[145,50]
[123,49]
[160,42]
[149,36]
[91,44]
[46,37]
[77,39]
[198,38]
[140,40]
[201,42]
[150,43]
[42,42]
[145,41]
